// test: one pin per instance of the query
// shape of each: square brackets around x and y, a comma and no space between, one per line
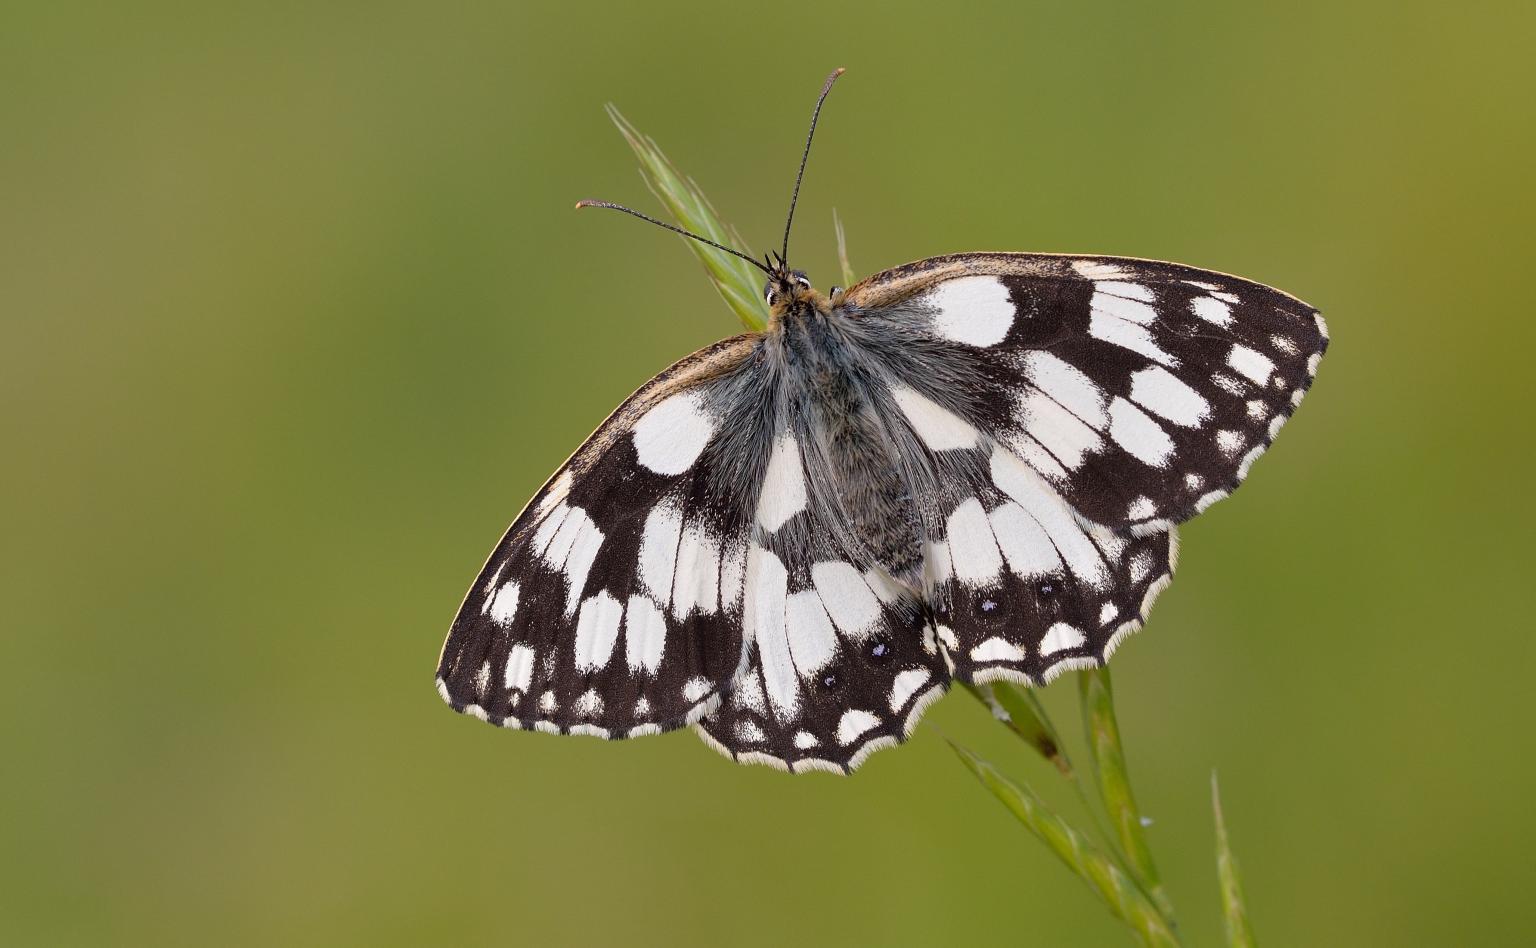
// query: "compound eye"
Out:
[803,281]
[769,295]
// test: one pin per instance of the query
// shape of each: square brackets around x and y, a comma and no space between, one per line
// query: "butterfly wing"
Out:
[1141,391]
[1021,587]
[842,659]
[612,606]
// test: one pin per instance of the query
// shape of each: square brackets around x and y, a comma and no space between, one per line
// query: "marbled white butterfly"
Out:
[969,467]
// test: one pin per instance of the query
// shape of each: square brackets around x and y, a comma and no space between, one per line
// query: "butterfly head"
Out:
[788,291]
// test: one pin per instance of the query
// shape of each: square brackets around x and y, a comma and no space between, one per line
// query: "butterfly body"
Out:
[967,467]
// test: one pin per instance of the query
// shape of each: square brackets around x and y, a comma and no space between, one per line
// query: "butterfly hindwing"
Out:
[842,659]
[1142,391]
[1022,588]
[612,606]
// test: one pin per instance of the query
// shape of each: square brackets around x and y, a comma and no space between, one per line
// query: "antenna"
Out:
[676,230]
[795,197]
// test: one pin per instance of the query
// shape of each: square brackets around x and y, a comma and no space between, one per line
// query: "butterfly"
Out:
[965,468]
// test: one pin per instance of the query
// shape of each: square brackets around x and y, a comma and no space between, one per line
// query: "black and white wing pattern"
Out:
[612,606]
[842,660]
[1141,391]
[966,467]
[1023,589]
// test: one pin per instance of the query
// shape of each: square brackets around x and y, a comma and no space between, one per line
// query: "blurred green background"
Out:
[297,315]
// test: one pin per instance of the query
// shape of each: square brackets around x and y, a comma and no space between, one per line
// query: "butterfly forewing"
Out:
[1142,391]
[612,605]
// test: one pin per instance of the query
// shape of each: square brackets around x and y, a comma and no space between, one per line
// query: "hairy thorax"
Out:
[828,389]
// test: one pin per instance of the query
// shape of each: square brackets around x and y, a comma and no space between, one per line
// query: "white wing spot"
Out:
[1138,434]
[672,435]
[1255,365]
[519,668]
[997,650]
[548,528]
[976,558]
[811,639]
[1024,543]
[1065,439]
[697,576]
[589,704]
[767,582]
[547,702]
[597,629]
[1128,335]
[645,635]
[1066,384]
[749,731]
[972,310]
[1059,637]
[1283,344]
[940,428]
[1108,612]
[854,723]
[658,551]
[905,686]
[783,492]
[848,599]
[1130,310]
[1160,392]
[1141,508]
[503,606]
[1212,310]
[1230,442]
[1194,481]
[805,740]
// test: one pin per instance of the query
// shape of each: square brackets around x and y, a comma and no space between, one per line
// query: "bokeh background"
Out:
[297,314]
